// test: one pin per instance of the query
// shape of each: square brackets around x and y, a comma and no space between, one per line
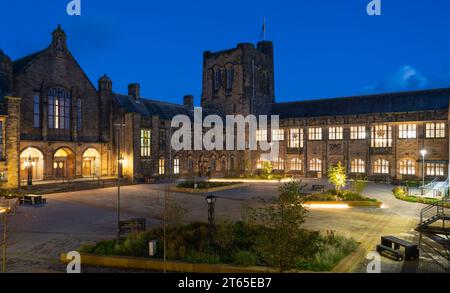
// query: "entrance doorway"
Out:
[31,158]
[91,163]
[63,164]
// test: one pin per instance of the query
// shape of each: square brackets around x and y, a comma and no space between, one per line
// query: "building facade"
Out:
[56,124]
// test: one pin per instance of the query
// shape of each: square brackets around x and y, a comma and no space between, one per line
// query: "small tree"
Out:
[282,220]
[358,186]
[337,176]
[267,169]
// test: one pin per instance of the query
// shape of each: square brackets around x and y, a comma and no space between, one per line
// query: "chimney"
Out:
[188,101]
[134,90]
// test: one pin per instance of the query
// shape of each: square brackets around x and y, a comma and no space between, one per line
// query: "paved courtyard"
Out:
[38,235]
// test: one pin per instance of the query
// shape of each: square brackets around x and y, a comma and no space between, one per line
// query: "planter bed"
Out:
[376,204]
[207,190]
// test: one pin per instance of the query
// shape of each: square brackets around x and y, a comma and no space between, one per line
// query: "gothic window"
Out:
[407,131]
[296,138]
[176,166]
[315,165]
[261,135]
[80,114]
[435,169]
[277,135]
[162,139]
[315,133]
[381,167]
[407,167]
[145,142]
[278,164]
[296,164]
[381,136]
[36,111]
[435,130]
[336,133]
[58,109]
[161,166]
[358,132]
[216,82]
[358,166]
[230,78]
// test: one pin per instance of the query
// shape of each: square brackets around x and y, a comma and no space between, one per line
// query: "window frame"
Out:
[336,133]
[384,142]
[358,132]
[358,166]
[407,131]
[315,133]
[381,167]
[146,142]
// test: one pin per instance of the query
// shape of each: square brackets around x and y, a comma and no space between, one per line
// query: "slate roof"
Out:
[427,100]
[22,63]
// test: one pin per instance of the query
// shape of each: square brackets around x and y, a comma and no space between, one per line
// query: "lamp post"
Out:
[211,201]
[423,153]
[29,162]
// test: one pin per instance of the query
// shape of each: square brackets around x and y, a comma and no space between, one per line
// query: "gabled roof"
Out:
[416,101]
[20,64]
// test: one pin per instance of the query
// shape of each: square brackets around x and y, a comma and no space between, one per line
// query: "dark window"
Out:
[36,111]
[162,139]
[230,78]
[80,114]
[217,79]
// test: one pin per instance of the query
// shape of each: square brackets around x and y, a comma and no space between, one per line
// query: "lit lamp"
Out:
[29,164]
[211,201]
[423,153]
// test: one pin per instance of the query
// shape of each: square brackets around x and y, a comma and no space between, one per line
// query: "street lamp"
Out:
[423,153]
[29,163]
[211,201]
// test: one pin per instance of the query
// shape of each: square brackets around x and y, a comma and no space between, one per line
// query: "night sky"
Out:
[323,48]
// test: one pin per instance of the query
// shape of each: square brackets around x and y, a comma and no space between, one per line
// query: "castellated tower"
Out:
[239,80]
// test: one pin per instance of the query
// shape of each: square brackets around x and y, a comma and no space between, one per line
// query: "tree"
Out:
[282,220]
[337,176]
[267,169]
[358,186]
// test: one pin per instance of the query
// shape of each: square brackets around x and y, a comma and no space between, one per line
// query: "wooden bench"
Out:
[320,188]
[390,253]
[32,200]
[394,243]
[133,225]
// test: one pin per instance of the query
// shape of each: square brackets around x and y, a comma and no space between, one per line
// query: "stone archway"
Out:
[33,158]
[63,163]
[91,163]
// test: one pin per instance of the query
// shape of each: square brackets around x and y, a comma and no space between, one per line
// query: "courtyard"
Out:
[37,235]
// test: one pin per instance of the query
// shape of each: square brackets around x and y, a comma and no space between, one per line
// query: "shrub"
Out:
[358,186]
[321,197]
[245,258]
[399,192]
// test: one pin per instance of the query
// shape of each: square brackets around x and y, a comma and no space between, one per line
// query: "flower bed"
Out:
[400,194]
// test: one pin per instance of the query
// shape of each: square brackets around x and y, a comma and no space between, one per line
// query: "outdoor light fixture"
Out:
[29,164]
[211,201]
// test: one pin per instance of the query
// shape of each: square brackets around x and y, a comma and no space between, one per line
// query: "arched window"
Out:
[315,165]
[59,108]
[296,164]
[381,166]
[407,167]
[190,164]
[278,164]
[176,166]
[358,166]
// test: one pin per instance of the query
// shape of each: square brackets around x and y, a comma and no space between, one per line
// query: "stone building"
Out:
[55,123]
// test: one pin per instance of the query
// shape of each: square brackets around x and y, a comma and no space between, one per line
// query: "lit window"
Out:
[260,163]
[176,166]
[358,132]
[278,164]
[315,133]
[407,131]
[261,135]
[58,109]
[435,130]
[37,111]
[407,167]
[295,138]
[296,164]
[315,165]
[358,166]
[161,167]
[381,136]
[335,133]
[145,142]
[381,167]
[435,169]
[277,134]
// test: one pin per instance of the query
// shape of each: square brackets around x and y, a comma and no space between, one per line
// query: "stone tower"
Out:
[105,95]
[239,80]
[6,74]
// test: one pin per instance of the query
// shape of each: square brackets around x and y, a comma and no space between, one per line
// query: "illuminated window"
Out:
[296,164]
[407,167]
[37,111]
[145,142]
[278,164]
[261,135]
[358,166]
[176,166]
[260,163]
[435,130]
[315,133]
[335,133]
[161,166]
[381,136]
[435,169]
[277,134]
[295,138]
[58,109]
[407,131]
[315,165]
[358,132]
[381,167]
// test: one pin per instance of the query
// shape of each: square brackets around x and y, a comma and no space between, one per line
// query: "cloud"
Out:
[406,78]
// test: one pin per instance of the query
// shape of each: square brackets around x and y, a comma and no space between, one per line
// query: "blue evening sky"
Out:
[323,48]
